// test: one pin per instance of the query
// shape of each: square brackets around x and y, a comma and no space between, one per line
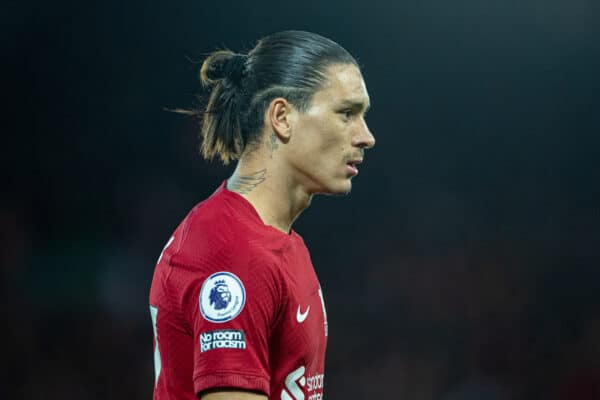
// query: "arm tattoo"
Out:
[244,184]
[273,143]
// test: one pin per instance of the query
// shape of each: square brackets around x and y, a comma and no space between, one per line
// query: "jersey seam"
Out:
[283,293]
[180,311]
[232,372]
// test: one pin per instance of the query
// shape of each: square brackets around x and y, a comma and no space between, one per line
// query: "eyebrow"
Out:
[356,104]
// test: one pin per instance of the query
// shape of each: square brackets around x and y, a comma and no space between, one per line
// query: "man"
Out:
[237,310]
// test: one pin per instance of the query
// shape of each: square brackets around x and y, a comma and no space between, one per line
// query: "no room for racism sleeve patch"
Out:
[222,339]
[222,297]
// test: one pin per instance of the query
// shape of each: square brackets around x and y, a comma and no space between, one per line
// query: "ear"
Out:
[279,117]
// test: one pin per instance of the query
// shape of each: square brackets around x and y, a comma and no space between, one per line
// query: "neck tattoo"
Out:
[246,183]
[273,144]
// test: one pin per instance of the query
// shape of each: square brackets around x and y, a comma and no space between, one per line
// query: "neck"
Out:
[268,188]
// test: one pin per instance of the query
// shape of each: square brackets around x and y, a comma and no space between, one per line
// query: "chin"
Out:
[340,189]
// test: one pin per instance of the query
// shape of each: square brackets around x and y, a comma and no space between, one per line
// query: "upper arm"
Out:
[232,395]
[231,312]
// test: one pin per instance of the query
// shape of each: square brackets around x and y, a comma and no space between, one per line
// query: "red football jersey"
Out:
[236,304]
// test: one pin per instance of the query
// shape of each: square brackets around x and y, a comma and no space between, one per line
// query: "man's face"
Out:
[328,140]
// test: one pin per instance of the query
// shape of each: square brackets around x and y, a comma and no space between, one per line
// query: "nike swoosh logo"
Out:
[300,317]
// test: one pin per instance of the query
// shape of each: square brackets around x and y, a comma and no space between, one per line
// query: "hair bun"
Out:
[223,64]
[235,68]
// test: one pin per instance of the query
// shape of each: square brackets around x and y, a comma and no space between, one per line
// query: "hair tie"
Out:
[235,68]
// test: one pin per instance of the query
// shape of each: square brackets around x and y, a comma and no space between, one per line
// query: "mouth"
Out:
[351,166]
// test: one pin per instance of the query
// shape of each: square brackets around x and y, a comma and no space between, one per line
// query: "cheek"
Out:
[320,142]
[327,135]
[326,151]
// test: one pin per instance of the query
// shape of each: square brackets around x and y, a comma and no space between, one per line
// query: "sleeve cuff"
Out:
[231,380]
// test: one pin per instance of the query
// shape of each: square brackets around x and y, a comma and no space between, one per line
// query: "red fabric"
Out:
[224,234]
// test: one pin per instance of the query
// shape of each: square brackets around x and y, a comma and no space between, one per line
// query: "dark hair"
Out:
[289,64]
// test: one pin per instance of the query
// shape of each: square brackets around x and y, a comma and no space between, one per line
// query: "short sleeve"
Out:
[232,308]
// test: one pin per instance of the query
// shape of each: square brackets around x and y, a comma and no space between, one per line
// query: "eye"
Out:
[347,113]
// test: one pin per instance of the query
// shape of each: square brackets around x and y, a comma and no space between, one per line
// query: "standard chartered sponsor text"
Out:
[313,383]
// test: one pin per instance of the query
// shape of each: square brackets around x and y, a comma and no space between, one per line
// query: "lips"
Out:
[352,166]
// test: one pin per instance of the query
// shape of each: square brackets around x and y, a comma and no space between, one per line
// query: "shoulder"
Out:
[209,229]
[214,250]
[215,237]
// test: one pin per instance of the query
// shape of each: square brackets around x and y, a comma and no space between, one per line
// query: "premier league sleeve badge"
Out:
[222,297]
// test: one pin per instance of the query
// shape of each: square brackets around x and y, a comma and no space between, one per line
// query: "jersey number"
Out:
[157,363]
[164,248]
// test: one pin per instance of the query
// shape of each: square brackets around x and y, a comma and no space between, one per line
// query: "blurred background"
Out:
[464,265]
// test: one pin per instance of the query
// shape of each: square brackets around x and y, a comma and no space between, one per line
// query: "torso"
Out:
[283,319]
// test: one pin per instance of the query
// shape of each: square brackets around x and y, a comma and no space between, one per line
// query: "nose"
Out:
[363,138]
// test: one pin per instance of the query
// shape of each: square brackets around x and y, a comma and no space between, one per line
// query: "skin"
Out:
[306,153]
[303,154]
[233,395]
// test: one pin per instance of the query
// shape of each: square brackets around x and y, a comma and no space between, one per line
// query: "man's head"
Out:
[294,88]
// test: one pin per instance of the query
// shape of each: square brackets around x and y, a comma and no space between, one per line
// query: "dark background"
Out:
[465,264]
